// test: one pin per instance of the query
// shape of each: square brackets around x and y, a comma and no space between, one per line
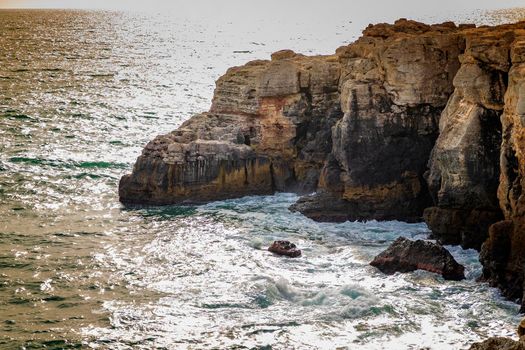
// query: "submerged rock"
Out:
[405,255]
[285,248]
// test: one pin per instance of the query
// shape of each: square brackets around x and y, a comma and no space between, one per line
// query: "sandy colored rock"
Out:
[498,343]
[393,87]
[521,328]
[268,130]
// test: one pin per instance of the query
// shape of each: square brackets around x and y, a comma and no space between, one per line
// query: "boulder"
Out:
[285,248]
[405,255]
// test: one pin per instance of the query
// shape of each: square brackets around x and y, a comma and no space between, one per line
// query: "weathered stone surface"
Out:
[405,255]
[268,129]
[285,248]
[503,254]
[464,166]
[394,85]
[499,343]
[521,328]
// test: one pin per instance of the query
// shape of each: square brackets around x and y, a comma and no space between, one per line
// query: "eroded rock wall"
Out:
[268,129]
[395,82]
[464,166]
[503,254]
[408,117]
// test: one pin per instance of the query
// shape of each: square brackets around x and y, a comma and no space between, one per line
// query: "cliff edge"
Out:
[410,122]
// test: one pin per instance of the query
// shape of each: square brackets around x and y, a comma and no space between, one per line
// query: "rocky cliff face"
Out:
[395,82]
[503,254]
[464,167]
[269,129]
[410,121]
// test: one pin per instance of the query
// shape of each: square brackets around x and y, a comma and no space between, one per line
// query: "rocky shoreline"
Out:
[411,122]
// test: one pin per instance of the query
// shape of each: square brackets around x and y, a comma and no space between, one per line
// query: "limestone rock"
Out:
[521,328]
[394,86]
[405,255]
[502,254]
[499,343]
[407,118]
[464,166]
[268,129]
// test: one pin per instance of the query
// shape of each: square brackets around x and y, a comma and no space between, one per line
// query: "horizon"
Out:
[272,5]
[283,14]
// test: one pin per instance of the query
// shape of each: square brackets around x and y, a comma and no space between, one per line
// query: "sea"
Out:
[81,93]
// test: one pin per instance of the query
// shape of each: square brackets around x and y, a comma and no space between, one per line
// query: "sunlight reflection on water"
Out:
[81,93]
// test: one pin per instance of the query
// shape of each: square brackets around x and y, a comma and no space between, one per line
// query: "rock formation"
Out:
[503,254]
[394,83]
[268,129]
[499,343]
[405,255]
[464,167]
[285,248]
[411,121]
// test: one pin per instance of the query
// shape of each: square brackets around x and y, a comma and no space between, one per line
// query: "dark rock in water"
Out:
[499,343]
[502,256]
[325,207]
[405,255]
[468,228]
[285,248]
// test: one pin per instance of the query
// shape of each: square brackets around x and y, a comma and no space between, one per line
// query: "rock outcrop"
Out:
[464,167]
[405,255]
[285,248]
[499,343]
[268,129]
[395,82]
[411,121]
[503,254]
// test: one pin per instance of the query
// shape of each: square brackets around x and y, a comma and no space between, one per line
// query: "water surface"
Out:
[81,92]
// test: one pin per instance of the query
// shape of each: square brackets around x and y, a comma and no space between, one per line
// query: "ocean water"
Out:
[81,92]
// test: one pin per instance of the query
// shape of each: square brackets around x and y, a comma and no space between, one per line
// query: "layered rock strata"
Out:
[410,121]
[357,126]
[268,129]
[395,82]
[464,167]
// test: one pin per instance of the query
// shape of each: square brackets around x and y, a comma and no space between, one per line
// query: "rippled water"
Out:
[80,94]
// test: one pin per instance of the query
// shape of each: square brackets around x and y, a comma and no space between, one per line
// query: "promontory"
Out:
[410,122]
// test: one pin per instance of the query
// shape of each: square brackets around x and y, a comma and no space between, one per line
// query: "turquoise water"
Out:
[81,92]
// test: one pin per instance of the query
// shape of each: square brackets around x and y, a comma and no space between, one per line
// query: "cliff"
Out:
[410,122]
